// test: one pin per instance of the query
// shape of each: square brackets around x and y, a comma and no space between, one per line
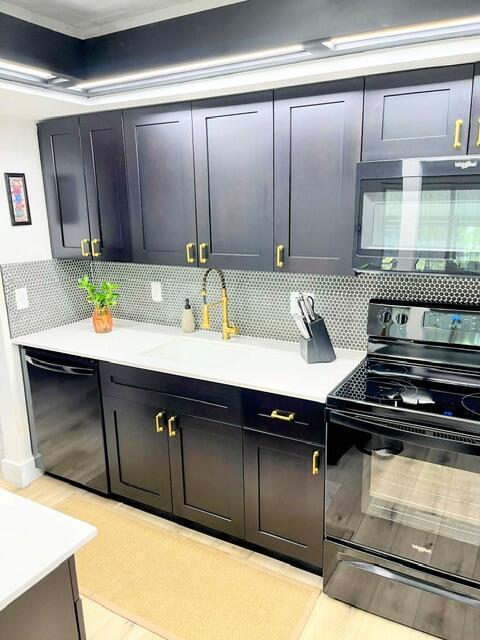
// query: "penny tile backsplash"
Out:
[259,301]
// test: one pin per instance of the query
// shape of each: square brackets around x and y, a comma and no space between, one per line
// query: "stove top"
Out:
[410,386]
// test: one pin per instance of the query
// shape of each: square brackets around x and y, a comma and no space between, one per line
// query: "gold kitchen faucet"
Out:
[228,330]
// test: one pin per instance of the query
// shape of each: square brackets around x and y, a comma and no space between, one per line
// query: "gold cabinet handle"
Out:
[171,424]
[478,134]
[457,143]
[203,256]
[315,465]
[280,251]
[190,258]
[84,242]
[158,421]
[289,417]
[95,254]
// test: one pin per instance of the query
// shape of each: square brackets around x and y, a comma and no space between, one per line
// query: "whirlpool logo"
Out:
[465,164]
[420,549]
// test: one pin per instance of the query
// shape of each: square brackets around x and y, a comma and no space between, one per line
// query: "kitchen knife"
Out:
[301,326]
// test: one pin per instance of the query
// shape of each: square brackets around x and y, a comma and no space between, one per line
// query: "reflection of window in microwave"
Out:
[443,499]
[442,217]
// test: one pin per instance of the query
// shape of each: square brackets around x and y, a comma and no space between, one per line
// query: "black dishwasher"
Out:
[65,415]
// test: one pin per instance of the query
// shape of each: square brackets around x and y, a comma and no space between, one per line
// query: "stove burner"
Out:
[389,390]
[386,368]
[472,403]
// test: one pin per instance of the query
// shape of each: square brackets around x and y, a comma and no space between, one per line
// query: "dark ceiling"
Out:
[247,26]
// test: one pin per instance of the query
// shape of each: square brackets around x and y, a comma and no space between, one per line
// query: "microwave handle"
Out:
[423,435]
[410,582]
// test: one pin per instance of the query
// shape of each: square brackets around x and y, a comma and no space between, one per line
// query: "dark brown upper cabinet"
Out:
[474,141]
[105,178]
[233,141]
[85,186]
[417,113]
[318,131]
[64,183]
[159,152]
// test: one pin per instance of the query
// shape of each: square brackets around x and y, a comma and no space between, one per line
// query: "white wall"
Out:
[18,154]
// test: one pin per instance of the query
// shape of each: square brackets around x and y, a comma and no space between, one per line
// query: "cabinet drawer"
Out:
[175,393]
[283,416]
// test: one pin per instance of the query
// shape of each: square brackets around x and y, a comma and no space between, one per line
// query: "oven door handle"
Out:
[421,434]
[410,582]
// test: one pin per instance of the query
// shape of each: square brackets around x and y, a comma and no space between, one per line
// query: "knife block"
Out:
[319,347]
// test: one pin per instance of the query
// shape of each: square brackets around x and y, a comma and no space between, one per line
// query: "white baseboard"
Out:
[20,474]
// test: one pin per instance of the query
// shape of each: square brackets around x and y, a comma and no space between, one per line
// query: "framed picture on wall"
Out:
[18,199]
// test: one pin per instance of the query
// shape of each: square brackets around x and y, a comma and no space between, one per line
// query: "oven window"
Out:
[430,496]
[420,503]
[429,215]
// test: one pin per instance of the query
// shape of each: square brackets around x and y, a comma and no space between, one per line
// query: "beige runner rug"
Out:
[179,588]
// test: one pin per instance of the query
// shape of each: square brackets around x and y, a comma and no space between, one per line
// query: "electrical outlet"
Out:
[21,299]
[157,294]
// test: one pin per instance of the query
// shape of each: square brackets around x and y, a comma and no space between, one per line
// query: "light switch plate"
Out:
[21,298]
[157,294]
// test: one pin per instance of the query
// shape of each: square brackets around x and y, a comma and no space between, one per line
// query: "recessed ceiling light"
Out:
[439,28]
[193,66]
[14,68]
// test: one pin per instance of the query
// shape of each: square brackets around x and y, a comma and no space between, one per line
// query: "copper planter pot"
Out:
[102,320]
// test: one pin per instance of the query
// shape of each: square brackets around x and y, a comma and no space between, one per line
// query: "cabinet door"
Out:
[283,497]
[317,146]
[233,140]
[474,142]
[417,113]
[159,152]
[207,473]
[105,178]
[64,182]
[138,452]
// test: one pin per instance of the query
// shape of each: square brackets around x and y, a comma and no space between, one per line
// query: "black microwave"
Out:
[419,215]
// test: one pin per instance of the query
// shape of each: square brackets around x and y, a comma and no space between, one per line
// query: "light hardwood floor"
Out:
[330,619]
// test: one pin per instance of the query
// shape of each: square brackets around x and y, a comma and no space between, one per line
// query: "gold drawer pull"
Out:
[289,417]
[158,421]
[315,466]
[203,253]
[171,424]
[84,242]
[95,254]
[280,250]
[478,134]
[457,143]
[190,258]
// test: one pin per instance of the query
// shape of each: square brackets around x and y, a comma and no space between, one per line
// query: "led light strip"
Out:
[456,27]
[14,69]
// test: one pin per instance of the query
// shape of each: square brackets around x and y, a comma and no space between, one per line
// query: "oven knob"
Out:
[401,318]
[385,316]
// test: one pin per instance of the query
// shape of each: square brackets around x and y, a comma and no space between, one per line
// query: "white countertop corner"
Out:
[34,540]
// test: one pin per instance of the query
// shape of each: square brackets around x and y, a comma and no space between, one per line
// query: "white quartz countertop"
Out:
[34,540]
[266,365]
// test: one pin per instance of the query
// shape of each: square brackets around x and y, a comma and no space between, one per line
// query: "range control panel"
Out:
[425,324]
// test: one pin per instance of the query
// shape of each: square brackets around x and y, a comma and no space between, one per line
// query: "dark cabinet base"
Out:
[50,610]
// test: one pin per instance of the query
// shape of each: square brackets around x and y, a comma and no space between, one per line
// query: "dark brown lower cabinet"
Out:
[50,610]
[137,443]
[284,499]
[206,461]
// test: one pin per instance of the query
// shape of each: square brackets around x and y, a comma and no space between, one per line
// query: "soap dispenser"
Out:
[188,319]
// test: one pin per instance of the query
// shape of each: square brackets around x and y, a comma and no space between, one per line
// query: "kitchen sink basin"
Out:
[193,350]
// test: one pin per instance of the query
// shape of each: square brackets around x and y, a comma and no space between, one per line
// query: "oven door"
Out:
[405,490]
[419,216]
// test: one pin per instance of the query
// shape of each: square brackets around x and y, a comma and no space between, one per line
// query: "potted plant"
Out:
[103,300]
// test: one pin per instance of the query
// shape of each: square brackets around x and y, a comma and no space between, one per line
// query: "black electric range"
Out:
[402,521]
